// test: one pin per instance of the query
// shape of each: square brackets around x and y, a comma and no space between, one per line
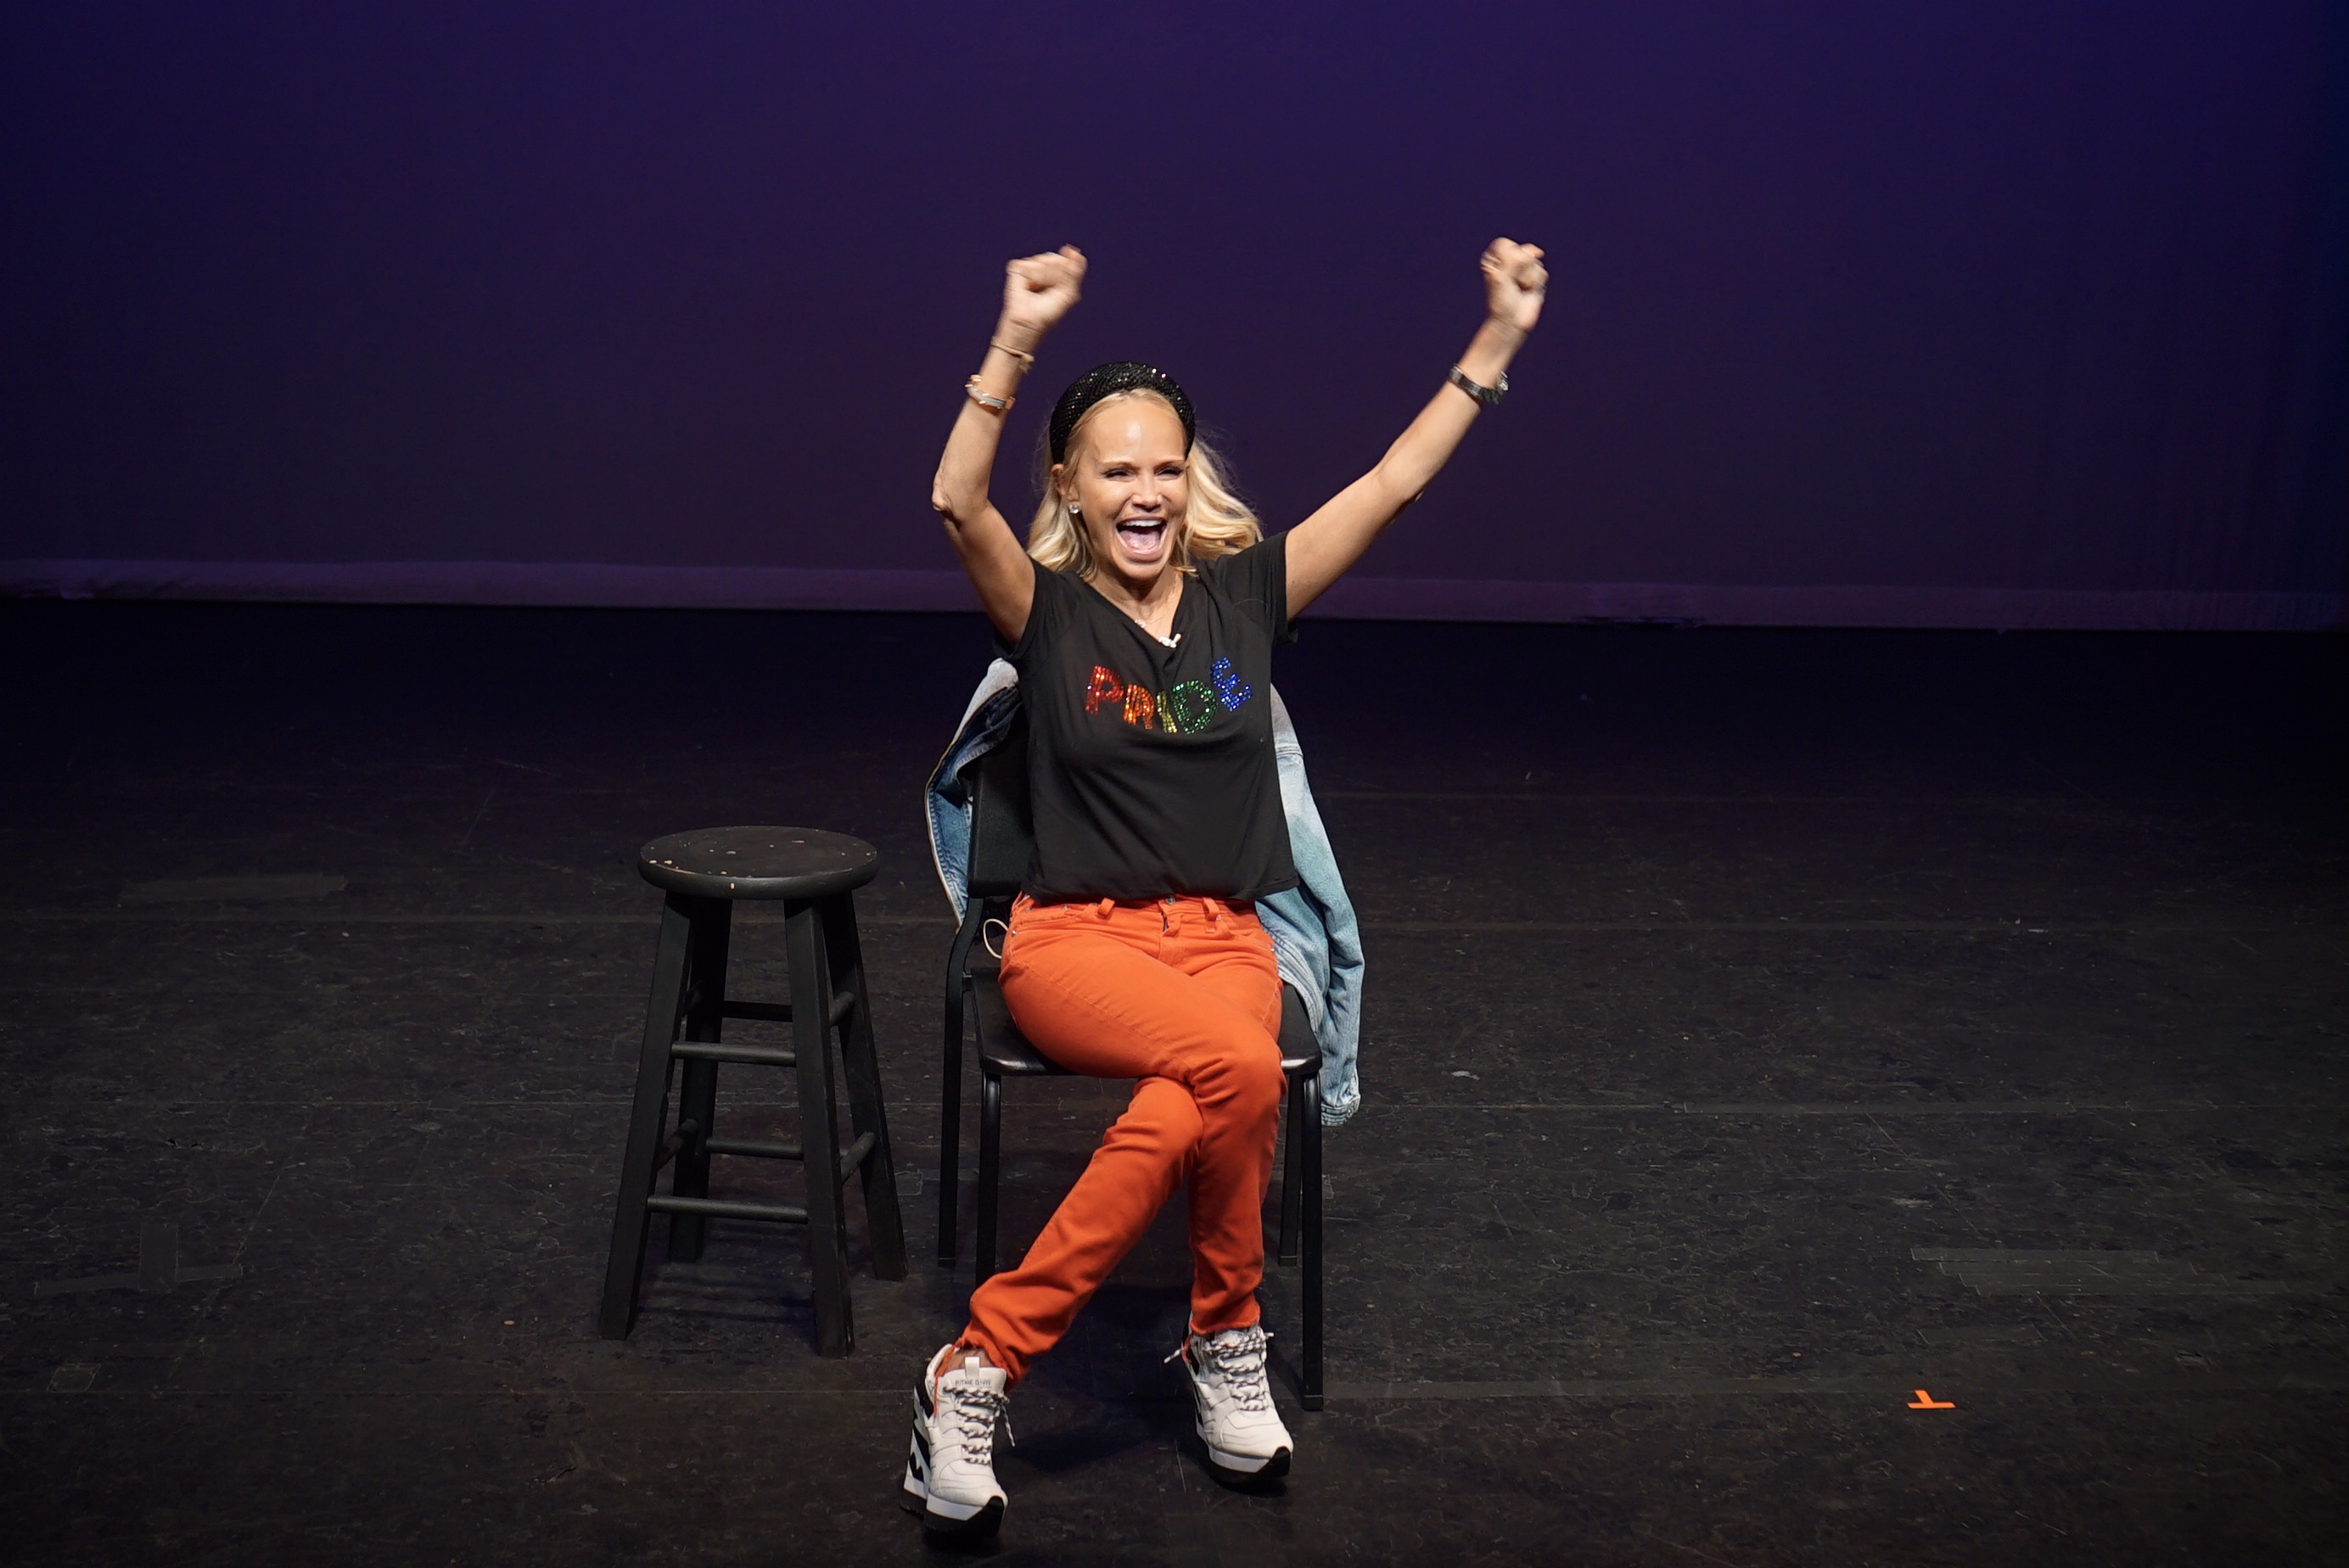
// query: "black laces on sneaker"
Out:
[973,1413]
[1235,1358]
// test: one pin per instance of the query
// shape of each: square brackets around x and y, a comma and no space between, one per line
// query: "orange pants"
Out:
[1182,993]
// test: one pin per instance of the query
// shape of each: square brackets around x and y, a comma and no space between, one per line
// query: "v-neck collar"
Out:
[1174,627]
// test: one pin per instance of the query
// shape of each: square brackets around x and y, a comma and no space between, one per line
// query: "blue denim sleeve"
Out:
[1314,933]
[946,800]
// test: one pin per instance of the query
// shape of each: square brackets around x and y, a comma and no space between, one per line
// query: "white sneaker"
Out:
[1236,1420]
[950,1473]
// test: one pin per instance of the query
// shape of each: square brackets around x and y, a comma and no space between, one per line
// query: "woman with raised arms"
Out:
[1142,614]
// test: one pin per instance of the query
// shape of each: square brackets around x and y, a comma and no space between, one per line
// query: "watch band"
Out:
[1488,396]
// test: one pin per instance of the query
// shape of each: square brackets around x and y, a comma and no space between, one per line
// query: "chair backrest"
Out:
[1002,837]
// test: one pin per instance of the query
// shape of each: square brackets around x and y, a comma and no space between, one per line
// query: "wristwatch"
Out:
[1488,396]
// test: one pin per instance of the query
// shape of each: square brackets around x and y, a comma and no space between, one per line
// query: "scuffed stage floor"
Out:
[1762,1027]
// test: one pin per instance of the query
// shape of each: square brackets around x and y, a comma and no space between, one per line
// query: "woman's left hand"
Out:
[1514,281]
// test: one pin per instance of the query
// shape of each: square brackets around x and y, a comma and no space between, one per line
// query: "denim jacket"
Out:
[1314,937]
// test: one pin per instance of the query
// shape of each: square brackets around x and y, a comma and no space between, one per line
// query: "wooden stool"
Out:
[815,875]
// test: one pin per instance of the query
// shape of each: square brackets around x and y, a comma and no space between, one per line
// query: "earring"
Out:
[1076,510]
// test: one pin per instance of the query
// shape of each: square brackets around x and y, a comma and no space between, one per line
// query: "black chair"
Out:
[815,875]
[1000,841]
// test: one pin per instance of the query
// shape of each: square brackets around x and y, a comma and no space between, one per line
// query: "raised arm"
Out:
[1324,546]
[1037,293]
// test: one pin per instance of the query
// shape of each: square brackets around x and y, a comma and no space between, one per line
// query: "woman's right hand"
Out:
[1037,291]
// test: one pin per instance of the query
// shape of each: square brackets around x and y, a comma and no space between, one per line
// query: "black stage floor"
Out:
[1718,979]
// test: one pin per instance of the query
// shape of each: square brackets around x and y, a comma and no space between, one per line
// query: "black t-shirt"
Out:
[1150,768]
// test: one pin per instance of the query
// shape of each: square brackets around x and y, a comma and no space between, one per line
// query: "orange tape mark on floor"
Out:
[1924,1401]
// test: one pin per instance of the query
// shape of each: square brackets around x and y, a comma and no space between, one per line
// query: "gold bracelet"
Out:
[1026,361]
[987,400]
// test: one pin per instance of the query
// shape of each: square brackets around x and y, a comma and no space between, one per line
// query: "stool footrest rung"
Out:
[712,1051]
[852,1159]
[781,1012]
[787,1150]
[676,1142]
[726,1208]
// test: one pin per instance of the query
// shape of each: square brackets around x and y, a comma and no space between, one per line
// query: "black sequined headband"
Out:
[1107,381]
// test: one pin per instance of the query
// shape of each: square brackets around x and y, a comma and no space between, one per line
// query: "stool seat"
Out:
[758,862]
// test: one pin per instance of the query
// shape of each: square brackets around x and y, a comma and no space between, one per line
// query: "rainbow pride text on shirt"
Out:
[1183,708]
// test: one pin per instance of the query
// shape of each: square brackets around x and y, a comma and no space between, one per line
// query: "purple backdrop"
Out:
[2002,314]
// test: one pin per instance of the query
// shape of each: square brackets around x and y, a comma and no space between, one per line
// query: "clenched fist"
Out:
[1037,291]
[1514,281]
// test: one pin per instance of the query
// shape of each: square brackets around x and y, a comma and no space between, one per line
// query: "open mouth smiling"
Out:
[1144,536]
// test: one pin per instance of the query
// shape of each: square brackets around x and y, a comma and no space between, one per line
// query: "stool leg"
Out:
[697,1093]
[819,1125]
[1292,1185]
[631,1219]
[866,1113]
[991,1169]
[1308,1090]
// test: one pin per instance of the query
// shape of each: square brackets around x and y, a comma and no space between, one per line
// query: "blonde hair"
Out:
[1215,521]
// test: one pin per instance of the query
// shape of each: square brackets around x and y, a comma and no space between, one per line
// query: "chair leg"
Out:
[883,1226]
[950,1087]
[631,1220]
[990,1170]
[697,1093]
[1308,1092]
[819,1125]
[1292,1182]
[950,1130]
